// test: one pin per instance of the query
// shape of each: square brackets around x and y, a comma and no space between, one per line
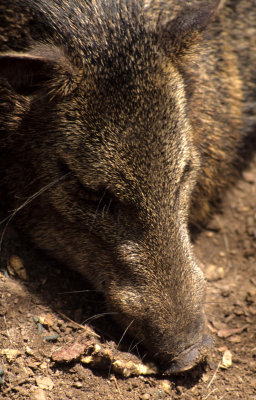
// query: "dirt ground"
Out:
[38,306]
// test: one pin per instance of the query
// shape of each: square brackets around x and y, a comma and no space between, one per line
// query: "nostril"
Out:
[190,357]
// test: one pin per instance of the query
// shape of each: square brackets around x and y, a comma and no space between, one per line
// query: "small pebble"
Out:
[78,384]
[145,396]
[249,176]
[210,234]
[11,354]
[44,365]
[226,361]
[38,394]
[165,386]
[44,382]
[46,320]
[235,339]
[17,266]
[214,273]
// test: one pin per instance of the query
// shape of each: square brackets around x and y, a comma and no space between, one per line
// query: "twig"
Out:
[75,323]
[214,375]
[116,384]
[211,392]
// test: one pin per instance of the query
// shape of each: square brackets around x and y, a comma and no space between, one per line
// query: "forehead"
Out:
[113,35]
[129,92]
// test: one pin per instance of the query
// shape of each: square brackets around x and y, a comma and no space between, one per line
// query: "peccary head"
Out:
[99,142]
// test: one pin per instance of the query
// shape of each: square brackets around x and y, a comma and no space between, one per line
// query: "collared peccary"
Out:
[120,123]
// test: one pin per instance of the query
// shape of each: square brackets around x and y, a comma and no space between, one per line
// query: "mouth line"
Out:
[190,357]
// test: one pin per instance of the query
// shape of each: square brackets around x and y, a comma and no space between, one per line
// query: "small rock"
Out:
[254,353]
[44,365]
[69,353]
[145,396]
[252,366]
[222,348]
[225,293]
[251,296]
[78,385]
[251,231]
[38,394]
[226,361]
[29,351]
[249,176]
[210,234]
[253,281]
[249,252]
[252,310]
[44,382]
[166,386]
[11,354]
[46,320]
[16,265]
[214,273]
[235,339]
[205,378]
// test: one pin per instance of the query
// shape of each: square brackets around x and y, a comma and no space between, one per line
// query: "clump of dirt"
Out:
[48,350]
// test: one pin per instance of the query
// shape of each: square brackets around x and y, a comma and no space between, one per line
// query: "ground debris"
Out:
[68,353]
[124,364]
[38,394]
[214,273]
[11,354]
[16,267]
[44,382]
[104,356]
[226,332]
[226,361]
[46,320]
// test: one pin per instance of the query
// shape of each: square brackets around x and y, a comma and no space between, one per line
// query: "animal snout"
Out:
[190,357]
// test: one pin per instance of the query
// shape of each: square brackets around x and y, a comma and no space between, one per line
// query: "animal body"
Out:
[120,124]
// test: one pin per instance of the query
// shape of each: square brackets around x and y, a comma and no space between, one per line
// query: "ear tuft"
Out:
[184,31]
[43,68]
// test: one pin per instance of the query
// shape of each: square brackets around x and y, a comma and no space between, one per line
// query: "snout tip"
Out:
[190,357]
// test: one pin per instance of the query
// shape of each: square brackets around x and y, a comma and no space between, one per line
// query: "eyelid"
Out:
[86,193]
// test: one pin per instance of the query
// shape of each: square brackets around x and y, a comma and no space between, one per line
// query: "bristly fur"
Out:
[142,106]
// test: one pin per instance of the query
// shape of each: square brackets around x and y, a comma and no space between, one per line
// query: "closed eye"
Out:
[99,199]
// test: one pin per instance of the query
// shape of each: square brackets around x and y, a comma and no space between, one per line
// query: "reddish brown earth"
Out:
[228,250]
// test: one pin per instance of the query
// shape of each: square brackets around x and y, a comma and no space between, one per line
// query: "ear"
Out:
[179,35]
[44,68]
